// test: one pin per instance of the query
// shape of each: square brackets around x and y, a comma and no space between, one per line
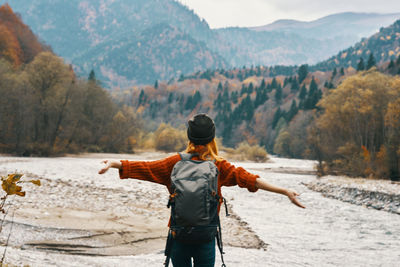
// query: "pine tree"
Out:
[262,84]
[292,111]
[250,88]
[295,85]
[218,102]
[261,97]
[189,103]
[156,84]
[313,86]
[371,61]
[226,85]
[142,98]
[219,88]
[92,76]
[225,96]
[314,95]
[227,108]
[248,108]
[227,129]
[276,118]
[360,65]
[302,72]
[196,99]
[243,90]
[251,72]
[241,75]
[328,85]
[391,64]
[274,83]
[285,81]
[181,102]
[234,97]
[303,92]
[170,97]
[341,71]
[334,72]
[278,94]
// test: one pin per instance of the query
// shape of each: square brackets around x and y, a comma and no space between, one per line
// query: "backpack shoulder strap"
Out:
[187,156]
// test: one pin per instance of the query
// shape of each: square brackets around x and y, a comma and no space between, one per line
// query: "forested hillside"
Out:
[120,40]
[18,44]
[247,104]
[381,47]
[124,42]
[45,109]
[160,51]
[285,110]
[348,118]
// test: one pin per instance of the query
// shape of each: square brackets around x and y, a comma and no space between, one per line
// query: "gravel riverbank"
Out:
[377,194]
[80,218]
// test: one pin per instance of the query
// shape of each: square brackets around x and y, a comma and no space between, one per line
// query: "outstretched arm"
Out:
[110,164]
[264,185]
[157,171]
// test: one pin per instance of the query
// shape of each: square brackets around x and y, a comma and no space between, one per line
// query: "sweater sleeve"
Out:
[231,175]
[158,171]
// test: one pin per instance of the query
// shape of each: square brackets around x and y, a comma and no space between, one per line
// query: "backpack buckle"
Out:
[171,199]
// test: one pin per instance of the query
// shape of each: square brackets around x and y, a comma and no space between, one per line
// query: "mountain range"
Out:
[382,46]
[140,41]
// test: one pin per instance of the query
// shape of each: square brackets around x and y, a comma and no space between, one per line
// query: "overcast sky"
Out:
[245,13]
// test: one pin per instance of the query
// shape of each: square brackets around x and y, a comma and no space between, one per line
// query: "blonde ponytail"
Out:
[206,152]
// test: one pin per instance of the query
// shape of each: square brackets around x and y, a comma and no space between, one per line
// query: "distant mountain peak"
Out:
[326,21]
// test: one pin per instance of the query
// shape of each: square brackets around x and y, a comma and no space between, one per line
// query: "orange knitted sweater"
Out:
[159,171]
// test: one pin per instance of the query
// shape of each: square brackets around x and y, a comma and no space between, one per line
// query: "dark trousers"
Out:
[203,254]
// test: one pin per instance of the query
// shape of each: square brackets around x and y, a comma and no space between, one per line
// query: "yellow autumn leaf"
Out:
[21,194]
[11,188]
[9,185]
[14,177]
[36,182]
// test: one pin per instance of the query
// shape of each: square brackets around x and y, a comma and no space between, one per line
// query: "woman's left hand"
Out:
[292,196]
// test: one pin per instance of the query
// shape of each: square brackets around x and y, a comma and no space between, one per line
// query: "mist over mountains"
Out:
[138,42]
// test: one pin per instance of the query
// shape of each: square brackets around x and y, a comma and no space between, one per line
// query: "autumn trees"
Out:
[358,131]
[45,109]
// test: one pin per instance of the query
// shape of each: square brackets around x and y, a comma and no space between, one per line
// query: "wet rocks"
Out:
[377,194]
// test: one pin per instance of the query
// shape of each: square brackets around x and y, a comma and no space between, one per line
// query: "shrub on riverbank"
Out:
[169,139]
[244,151]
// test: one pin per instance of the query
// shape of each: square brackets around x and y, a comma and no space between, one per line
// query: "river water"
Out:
[327,233]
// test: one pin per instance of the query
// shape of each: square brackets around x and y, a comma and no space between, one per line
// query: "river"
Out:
[327,233]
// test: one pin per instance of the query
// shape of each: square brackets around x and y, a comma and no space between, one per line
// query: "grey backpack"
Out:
[194,202]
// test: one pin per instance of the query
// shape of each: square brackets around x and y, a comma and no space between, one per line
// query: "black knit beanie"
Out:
[201,129]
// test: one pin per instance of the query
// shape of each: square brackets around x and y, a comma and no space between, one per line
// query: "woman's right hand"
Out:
[292,195]
[106,167]
[110,164]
